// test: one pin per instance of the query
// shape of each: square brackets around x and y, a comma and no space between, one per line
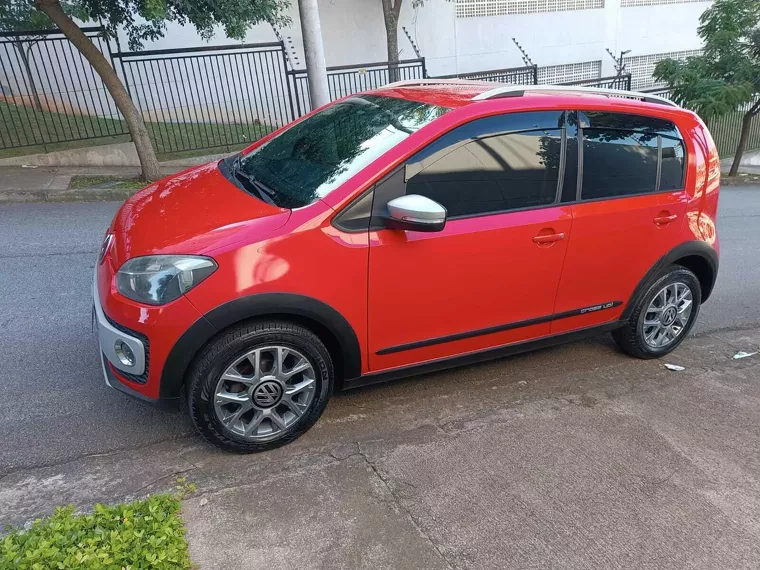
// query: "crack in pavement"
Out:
[401,506]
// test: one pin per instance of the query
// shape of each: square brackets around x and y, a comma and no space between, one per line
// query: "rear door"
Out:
[627,211]
[490,277]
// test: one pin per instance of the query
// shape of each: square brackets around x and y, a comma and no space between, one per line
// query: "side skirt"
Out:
[481,355]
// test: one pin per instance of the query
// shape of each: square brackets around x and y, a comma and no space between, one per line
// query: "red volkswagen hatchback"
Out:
[416,227]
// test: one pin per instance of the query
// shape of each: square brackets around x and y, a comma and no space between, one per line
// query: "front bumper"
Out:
[150,333]
[109,335]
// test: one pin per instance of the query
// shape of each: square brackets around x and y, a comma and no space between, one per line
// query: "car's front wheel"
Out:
[259,386]
[662,316]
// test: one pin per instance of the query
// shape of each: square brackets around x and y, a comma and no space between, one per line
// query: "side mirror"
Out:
[416,213]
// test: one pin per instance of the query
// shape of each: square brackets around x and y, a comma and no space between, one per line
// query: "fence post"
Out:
[291,75]
[287,80]
[424,69]
[628,82]
[535,74]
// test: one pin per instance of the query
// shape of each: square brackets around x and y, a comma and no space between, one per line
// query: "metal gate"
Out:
[49,93]
[211,96]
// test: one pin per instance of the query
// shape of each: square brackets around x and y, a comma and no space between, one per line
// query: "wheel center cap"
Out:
[669,316]
[267,394]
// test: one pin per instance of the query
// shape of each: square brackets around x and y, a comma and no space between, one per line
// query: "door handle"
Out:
[551,238]
[665,219]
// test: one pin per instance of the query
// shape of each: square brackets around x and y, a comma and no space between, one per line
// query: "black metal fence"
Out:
[50,94]
[614,82]
[515,75]
[211,96]
[725,129]
[345,80]
[203,97]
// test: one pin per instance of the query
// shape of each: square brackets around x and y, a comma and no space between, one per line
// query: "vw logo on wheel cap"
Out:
[267,394]
[669,316]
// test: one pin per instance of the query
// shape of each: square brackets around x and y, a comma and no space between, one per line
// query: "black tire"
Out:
[631,339]
[219,354]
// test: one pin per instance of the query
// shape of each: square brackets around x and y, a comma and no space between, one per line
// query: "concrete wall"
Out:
[354,33]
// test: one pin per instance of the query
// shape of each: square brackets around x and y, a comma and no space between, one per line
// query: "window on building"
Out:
[493,174]
[641,66]
[479,8]
[632,3]
[556,74]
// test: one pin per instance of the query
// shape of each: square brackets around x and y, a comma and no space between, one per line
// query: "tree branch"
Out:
[397,8]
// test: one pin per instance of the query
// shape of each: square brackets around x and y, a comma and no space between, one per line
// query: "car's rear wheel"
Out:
[259,386]
[662,316]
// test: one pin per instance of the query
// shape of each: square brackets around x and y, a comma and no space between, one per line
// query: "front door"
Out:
[490,277]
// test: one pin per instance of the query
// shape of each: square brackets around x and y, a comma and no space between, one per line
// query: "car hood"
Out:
[191,212]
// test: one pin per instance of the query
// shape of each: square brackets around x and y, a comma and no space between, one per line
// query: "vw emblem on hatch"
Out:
[267,394]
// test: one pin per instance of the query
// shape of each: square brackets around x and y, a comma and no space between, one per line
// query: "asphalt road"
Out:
[54,406]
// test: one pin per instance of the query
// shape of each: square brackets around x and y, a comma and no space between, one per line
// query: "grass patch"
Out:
[79,182]
[43,131]
[145,534]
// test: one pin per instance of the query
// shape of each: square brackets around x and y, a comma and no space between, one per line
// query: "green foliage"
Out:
[727,74]
[146,19]
[20,15]
[145,534]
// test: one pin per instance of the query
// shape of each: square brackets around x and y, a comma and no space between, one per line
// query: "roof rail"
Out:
[520,90]
[433,81]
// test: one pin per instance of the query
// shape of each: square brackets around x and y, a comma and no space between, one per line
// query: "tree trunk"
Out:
[391,12]
[28,71]
[145,152]
[743,138]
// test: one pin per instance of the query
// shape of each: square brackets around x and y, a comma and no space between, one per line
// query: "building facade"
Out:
[567,39]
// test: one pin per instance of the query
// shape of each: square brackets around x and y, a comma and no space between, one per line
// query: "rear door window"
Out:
[627,155]
[618,163]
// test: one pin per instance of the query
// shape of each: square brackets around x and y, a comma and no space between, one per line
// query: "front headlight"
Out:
[159,279]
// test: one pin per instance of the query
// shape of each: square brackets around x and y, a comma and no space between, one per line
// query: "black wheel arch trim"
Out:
[687,249]
[259,305]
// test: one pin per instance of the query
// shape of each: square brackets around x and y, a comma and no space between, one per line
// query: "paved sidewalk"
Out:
[51,183]
[571,457]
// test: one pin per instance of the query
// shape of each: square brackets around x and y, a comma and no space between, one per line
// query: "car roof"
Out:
[459,93]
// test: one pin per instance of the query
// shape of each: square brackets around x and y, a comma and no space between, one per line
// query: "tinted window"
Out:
[498,124]
[570,180]
[673,163]
[491,174]
[625,122]
[311,158]
[618,163]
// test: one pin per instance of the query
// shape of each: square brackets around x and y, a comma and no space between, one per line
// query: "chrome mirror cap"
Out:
[416,213]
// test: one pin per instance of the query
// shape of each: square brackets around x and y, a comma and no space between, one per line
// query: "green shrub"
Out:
[146,534]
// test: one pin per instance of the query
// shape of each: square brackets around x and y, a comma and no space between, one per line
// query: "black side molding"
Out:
[483,355]
[498,328]
[264,304]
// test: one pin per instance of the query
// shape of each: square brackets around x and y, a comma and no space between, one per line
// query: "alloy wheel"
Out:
[264,392]
[667,315]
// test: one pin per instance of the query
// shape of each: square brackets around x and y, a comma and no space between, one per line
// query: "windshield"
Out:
[312,158]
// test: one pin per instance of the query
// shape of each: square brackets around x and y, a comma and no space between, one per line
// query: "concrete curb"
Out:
[25,195]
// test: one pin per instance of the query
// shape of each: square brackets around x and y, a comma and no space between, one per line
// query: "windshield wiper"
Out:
[261,191]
